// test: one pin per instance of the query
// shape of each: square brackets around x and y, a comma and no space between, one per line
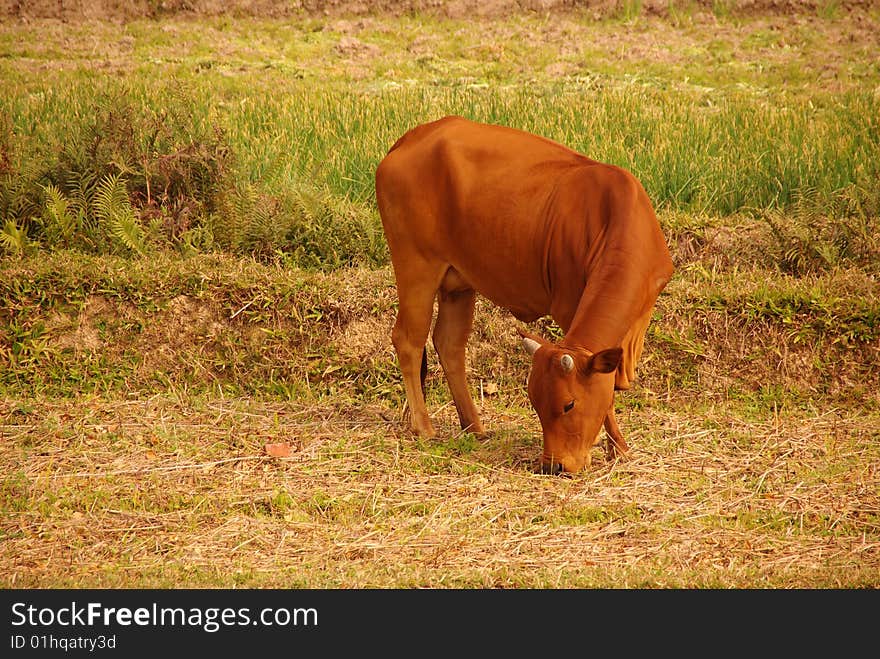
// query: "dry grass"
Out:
[164,492]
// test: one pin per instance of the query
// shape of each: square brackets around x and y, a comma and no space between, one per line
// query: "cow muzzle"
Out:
[552,468]
[567,465]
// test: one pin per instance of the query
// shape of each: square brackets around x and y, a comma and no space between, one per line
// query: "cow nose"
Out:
[551,468]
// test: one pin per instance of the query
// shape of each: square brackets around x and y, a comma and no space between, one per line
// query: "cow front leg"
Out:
[615,446]
[455,315]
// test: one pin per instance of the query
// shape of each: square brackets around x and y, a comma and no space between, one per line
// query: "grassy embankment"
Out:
[194,267]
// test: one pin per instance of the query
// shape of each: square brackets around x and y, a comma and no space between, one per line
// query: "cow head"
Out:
[571,389]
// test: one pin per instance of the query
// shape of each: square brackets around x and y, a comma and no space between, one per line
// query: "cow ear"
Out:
[531,342]
[606,361]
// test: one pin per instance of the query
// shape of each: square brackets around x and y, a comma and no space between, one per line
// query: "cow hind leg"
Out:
[409,336]
[455,317]
[616,446]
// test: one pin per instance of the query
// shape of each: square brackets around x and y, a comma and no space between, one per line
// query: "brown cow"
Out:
[538,229]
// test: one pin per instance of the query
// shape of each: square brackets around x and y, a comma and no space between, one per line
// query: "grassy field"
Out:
[192,268]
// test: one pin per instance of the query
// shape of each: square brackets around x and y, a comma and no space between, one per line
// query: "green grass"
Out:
[291,157]
[683,145]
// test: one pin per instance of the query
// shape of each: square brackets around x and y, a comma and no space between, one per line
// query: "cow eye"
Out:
[568,406]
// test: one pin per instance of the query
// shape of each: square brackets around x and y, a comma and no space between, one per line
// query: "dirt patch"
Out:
[90,329]
[354,48]
[365,338]
[187,325]
[105,325]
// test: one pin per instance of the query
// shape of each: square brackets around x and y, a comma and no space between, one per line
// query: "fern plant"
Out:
[14,238]
[61,218]
[807,240]
[113,208]
[248,221]
[327,232]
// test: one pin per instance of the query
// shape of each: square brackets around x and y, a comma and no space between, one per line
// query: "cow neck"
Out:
[612,300]
[597,278]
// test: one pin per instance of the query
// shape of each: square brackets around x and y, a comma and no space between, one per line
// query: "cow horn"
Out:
[567,363]
[530,345]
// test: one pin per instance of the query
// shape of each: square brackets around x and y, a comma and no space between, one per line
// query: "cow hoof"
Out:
[424,431]
[475,429]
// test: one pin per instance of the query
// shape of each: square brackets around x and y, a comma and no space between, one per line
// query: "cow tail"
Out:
[424,372]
